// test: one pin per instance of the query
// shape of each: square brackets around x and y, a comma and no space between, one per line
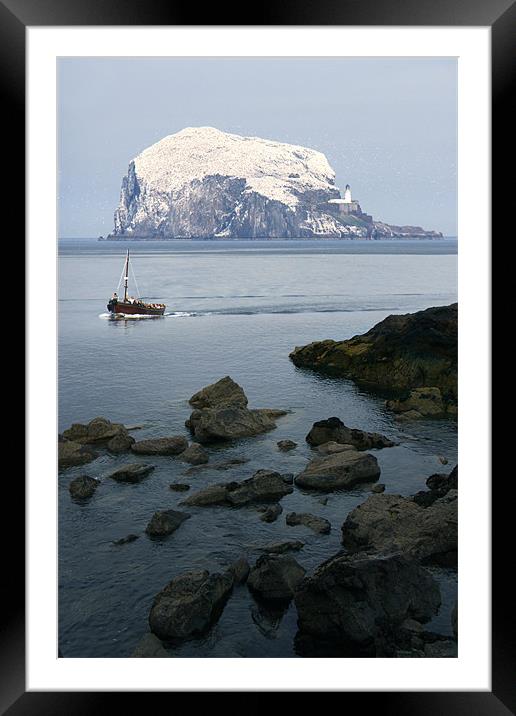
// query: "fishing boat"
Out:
[128,305]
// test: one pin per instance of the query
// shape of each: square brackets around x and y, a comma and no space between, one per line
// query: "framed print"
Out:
[258,341]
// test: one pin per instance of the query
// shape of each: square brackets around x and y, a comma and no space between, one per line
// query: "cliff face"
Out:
[401,352]
[203,183]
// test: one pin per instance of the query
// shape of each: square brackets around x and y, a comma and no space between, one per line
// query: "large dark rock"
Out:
[341,470]
[98,430]
[387,523]
[71,454]
[174,445]
[83,487]
[221,413]
[334,430]
[131,472]
[350,601]
[275,577]
[263,486]
[165,522]
[401,352]
[189,604]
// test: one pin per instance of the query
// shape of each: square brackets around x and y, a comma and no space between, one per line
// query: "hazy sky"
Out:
[388,127]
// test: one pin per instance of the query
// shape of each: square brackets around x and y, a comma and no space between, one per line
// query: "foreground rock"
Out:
[263,486]
[334,430]
[401,352]
[98,430]
[150,647]
[387,523]
[83,487]
[351,602]
[222,414]
[275,578]
[317,524]
[341,470]
[165,522]
[195,454]
[174,445]
[72,454]
[131,472]
[420,402]
[240,570]
[189,604]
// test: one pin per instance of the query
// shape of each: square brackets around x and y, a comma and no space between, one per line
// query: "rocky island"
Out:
[201,183]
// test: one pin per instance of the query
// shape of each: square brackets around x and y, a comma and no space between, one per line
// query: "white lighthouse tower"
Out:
[347,194]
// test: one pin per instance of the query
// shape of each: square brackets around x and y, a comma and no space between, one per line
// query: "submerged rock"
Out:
[263,486]
[341,470]
[195,454]
[72,454]
[189,604]
[131,472]
[317,524]
[334,430]
[126,540]
[179,487]
[174,445]
[351,601]
[282,547]
[387,523]
[275,578]
[150,647]
[401,352]
[221,465]
[83,487]
[286,445]
[165,522]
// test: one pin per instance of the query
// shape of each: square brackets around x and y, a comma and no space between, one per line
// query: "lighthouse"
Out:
[347,194]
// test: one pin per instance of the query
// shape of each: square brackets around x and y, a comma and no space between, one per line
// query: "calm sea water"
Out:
[233,308]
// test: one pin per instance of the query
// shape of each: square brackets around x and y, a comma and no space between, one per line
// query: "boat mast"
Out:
[126,275]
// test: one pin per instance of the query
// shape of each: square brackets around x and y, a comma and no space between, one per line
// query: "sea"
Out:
[234,308]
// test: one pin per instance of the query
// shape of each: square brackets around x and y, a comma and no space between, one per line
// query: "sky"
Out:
[388,126]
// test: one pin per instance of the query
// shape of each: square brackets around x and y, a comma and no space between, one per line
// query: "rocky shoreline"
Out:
[413,356]
[372,598]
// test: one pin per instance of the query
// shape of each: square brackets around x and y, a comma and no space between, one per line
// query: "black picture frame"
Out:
[500,15]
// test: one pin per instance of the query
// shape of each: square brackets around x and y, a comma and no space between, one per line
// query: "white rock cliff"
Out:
[204,183]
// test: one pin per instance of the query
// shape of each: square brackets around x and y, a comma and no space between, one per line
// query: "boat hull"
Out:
[131,309]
